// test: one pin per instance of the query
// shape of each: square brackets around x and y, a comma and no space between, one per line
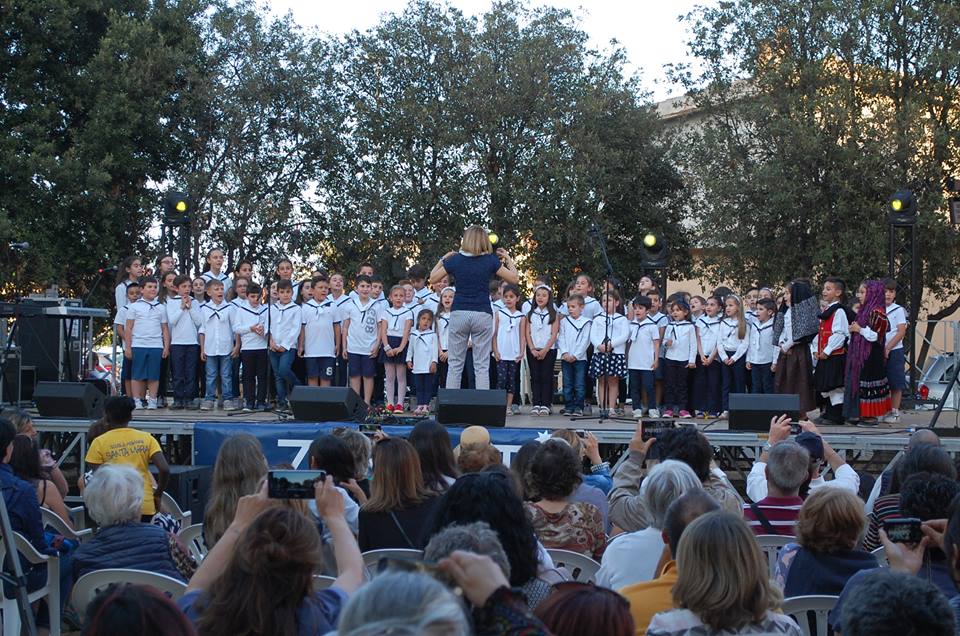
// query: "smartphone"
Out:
[293,484]
[905,530]
[581,433]
[795,428]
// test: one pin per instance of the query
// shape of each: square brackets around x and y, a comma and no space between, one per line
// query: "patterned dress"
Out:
[578,528]
[874,390]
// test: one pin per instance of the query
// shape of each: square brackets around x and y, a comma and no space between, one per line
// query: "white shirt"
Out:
[285,324]
[540,327]
[396,319]
[896,316]
[709,330]
[662,321]
[208,276]
[420,295]
[844,477]
[786,337]
[839,332]
[120,319]
[362,326]
[245,317]
[643,351]
[318,321]
[443,330]
[574,337]
[338,303]
[630,557]
[591,308]
[508,333]
[216,325]
[184,324]
[683,342]
[761,349]
[730,339]
[148,316]
[120,295]
[618,327]
[431,302]
[422,350]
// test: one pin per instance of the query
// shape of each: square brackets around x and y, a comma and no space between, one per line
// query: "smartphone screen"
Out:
[293,484]
[903,530]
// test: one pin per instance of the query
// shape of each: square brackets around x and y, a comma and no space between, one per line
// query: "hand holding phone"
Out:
[906,530]
[293,484]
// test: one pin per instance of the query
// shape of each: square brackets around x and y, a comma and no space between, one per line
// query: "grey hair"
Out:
[788,466]
[477,537]
[114,494]
[401,604]
[665,483]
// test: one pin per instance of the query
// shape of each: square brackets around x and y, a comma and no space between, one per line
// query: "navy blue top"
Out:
[24,509]
[317,613]
[472,274]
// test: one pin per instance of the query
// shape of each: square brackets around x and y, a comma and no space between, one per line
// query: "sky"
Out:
[648,30]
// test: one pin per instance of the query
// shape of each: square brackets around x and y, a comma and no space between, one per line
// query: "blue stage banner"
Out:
[288,443]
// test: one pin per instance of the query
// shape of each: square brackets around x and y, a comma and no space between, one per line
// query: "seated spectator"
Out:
[889,603]
[239,470]
[120,444]
[399,508]
[114,499]
[723,583]
[25,461]
[920,437]
[331,454]
[361,448]
[632,557]
[477,537]
[475,457]
[924,458]
[559,523]
[787,469]
[588,449]
[258,579]
[489,497]
[48,465]
[124,608]
[650,597]
[844,476]
[578,608]
[520,465]
[437,463]
[829,526]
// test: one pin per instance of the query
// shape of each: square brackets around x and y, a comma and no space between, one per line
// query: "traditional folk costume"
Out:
[794,328]
[867,393]
[828,378]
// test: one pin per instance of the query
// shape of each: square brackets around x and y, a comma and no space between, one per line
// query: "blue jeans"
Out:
[574,383]
[183,371]
[423,384]
[643,379]
[219,366]
[734,379]
[282,364]
[762,378]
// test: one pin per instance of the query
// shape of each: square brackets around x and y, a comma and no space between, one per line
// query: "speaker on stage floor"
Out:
[753,411]
[68,399]
[189,486]
[327,404]
[472,406]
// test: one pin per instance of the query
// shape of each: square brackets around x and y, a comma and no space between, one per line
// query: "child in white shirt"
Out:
[215,260]
[321,335]
[250,326]
[285,324]
[217,347]
[395,324]
[422,360]
[543,327]
[358,329]
[132,290]
[608,333]
[707,377]
[761,351]
[509,341]
[147,343]
[183,319]
[680,339]
[643,357]
[573,340]
[732,349]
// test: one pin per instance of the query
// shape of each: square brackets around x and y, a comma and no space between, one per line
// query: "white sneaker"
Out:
[637,413]
[654,413]
[151,404]
[137,404]
[891,418]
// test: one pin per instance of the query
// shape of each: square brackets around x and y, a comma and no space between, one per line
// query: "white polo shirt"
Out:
[148,317]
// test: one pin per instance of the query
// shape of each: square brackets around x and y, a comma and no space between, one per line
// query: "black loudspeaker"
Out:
[472,406]
[68,399]
[327,404]
[753,411]
[189,485]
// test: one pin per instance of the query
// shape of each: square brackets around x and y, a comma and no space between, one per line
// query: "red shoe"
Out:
[398,408]
[388,408]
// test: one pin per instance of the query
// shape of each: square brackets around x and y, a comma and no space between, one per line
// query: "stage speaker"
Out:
[472,406]
[752,411]
[68,399]
[327,404]
[189,486]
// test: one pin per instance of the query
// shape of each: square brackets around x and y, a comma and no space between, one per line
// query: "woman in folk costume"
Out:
[795,326]
[867,393]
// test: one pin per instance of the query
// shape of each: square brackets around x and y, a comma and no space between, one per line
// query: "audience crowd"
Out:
[678,550]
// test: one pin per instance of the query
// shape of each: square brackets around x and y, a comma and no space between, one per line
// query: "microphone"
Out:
[19,246]
[107,270]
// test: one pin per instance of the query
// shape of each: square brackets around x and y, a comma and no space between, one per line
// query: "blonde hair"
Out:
[476,241]
[239,470]
[831,519]
[741,319]
[722,576]
[570,437]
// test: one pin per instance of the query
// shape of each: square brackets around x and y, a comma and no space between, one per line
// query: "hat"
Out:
[813,443]
[472,436]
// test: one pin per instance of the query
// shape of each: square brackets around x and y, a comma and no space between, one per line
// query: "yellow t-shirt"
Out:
[132,447]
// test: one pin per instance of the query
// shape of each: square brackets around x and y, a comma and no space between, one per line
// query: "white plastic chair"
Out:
[881,555]
[581,567]
[89,585]
[800,607]
[192,537]
[170,506]
[55,521]
[322,582]
[50,591]
[372,557]
[771,544]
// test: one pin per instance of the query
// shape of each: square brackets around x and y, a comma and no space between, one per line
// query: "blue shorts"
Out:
[320,367]
[896,370]
[361,365]
[146,363]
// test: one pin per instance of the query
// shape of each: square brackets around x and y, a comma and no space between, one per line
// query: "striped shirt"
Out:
[781,512]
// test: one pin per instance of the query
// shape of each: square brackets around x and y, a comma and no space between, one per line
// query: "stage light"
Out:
[177,208]
[494,239]
[903,208]
[896,204]
[654,251]
[181,206]
[650,240]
